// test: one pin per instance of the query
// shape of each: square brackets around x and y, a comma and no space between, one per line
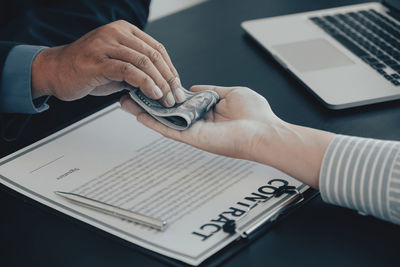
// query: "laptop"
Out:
[347,56]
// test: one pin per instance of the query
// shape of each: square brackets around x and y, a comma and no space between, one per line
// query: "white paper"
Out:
[111,157]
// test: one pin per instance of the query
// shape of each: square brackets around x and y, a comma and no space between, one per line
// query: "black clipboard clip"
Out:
[230,226]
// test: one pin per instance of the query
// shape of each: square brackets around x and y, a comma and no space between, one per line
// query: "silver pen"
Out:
[114,211]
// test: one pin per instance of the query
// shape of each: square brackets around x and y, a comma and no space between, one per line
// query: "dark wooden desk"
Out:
[209,47]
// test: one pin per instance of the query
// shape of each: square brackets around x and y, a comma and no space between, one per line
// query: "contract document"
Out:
[112,158]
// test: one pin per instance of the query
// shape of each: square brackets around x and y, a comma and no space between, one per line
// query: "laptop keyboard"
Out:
[371,36]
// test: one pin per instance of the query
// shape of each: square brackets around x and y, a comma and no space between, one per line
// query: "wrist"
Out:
[43,72]
[295,150]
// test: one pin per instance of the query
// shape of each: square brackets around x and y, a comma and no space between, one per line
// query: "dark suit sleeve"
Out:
[5,119]
[62,22]
[5,48]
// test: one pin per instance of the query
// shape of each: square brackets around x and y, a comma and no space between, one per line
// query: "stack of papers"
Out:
[112,158]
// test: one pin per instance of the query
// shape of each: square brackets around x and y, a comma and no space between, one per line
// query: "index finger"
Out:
[156,45]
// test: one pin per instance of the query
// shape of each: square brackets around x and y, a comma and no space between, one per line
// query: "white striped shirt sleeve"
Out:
[363,174]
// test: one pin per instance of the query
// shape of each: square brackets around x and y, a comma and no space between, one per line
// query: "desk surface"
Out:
[209,47]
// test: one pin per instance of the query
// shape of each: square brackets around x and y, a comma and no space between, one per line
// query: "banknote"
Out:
[181,116]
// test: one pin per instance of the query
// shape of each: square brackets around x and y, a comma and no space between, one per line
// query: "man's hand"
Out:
[102,61]
[242,125]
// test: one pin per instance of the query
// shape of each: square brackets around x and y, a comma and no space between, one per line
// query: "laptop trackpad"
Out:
[311,55]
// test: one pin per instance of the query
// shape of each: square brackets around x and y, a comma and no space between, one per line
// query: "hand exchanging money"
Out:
[234,128]
[104,61]
[181,116]
[242,125]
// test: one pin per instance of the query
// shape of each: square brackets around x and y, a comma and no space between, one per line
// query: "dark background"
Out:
[208,46]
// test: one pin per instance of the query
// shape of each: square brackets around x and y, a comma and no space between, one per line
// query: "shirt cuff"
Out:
[15,87]
[360,173]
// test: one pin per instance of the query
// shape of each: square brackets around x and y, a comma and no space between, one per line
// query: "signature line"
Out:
[47,164]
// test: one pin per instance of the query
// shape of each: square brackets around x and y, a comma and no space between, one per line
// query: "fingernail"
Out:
[180,95]
[178,81]
[157,91]
[170,99]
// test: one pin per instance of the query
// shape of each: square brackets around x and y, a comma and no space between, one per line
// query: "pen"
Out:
[114,211]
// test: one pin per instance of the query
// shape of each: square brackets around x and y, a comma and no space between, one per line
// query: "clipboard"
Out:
[114,116]
[217,259]
[262,227]
[241,243]
[282,213]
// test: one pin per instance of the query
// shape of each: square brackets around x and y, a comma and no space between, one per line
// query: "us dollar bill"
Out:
[181,116]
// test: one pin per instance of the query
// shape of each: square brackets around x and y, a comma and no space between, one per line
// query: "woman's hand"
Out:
[234,128]
[102,61]
[242,125]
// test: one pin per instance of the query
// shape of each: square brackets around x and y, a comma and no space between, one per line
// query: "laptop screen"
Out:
[393,3]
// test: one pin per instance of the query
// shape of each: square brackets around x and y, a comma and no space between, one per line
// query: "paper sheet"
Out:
[111,157]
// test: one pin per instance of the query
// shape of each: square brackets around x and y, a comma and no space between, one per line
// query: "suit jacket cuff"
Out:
[15,87]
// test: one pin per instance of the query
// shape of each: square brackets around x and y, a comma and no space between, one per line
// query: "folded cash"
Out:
[181,116]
